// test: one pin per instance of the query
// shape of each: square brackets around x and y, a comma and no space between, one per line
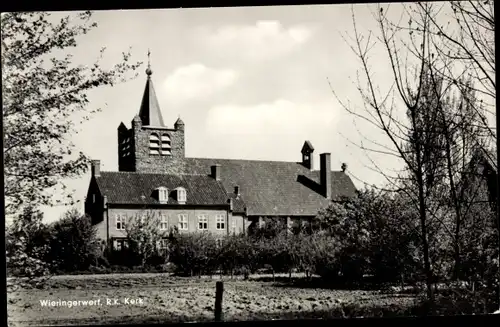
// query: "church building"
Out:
[222,196]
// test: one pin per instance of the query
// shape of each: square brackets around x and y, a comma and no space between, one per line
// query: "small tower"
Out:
[179,124]
[307,153]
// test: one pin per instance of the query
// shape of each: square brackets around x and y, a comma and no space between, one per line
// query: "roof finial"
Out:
[148,70]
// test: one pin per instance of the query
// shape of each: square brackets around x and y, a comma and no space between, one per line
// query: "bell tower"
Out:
[307,155]
[149,145]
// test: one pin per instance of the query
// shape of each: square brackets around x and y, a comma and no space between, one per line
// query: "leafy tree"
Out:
[74,245]
[374,232]
[193,254]
[27,246]
[43,96]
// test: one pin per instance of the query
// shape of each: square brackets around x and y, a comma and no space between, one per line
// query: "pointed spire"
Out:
[150,113]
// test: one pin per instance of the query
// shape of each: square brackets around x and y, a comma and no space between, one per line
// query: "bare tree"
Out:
[433,120]
[421,135]
[144,235]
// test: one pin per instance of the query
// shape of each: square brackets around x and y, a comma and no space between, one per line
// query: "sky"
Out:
[248,82]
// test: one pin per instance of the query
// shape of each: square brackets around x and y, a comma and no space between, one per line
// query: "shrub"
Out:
[144,236]
[194,254]
[73,243]
[26,245]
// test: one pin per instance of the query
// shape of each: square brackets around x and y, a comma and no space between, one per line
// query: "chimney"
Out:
[215,172]
[105,202]
[237,190]
[326,174]
[344,167]
[96,168]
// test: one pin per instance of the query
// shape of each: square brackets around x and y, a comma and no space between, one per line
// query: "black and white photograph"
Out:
[258,163]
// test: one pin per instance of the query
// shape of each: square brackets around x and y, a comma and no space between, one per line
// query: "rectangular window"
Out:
[120,222]
[164,222]
[163,244]
[202,222]
[181,195]
[163,195]
[183,222]
[120,244]
[220,222]
[233,223]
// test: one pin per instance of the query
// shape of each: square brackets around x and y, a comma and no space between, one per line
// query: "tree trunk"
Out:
[290,275]
[454,197]
[273,275]
[423,222]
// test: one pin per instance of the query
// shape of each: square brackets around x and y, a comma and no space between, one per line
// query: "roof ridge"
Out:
[151,173]
[258,160]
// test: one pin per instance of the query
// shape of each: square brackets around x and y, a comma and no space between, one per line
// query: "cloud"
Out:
[281,117]
[264,40]
[196,81]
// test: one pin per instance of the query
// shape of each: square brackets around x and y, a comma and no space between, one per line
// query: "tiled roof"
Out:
[267,188]
[238,203]
[274,187]
[129,187]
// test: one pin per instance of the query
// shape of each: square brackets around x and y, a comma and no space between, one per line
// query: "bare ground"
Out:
[173,299]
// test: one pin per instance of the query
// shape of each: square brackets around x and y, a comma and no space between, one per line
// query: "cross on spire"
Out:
[148,70]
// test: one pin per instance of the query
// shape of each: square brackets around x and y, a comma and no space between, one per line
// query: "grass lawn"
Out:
[143,298]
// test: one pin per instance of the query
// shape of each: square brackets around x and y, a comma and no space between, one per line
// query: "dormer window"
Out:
[181,195]
[162,194]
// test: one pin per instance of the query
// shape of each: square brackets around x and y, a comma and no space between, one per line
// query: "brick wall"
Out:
[146,162]
[173,220]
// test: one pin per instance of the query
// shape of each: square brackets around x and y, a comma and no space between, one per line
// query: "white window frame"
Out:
[163,194]
[220,222]
[203,219]
[163,222]
[183,221]
[233,223]
[181,195]
[120,219]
